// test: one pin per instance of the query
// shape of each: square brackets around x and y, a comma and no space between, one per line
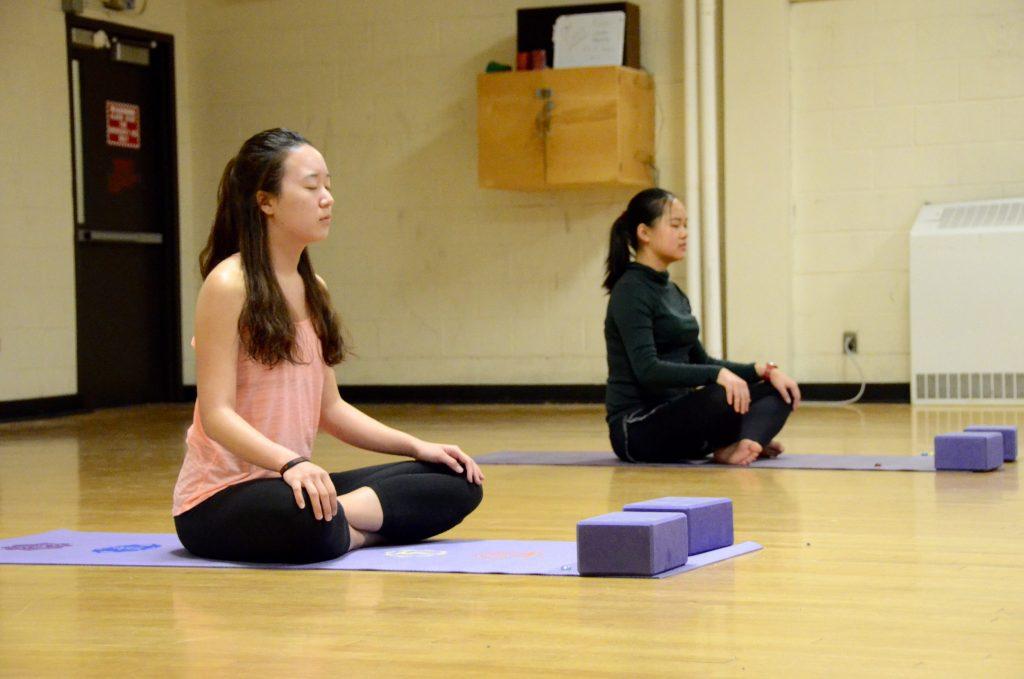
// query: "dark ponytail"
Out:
[644,208]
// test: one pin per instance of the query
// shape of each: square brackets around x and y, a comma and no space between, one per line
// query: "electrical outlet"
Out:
[849,342]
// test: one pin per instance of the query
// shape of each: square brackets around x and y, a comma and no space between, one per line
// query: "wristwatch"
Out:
[768,368]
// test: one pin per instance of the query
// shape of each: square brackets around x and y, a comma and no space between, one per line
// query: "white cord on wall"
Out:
[848,352]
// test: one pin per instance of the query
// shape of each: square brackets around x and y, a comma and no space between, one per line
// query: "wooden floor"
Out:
[863,573]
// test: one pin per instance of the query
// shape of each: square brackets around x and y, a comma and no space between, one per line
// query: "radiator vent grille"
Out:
[970,386]
[982,215]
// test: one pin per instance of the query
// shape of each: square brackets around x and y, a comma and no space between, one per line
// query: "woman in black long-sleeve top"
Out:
[666,399]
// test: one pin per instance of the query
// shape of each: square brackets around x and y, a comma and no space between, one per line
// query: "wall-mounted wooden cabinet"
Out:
[561,128]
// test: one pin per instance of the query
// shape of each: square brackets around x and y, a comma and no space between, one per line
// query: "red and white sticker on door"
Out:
[124,125]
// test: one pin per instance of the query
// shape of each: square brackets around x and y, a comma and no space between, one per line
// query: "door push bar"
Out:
[90,236]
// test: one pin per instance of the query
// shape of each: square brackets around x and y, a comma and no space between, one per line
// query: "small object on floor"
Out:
[709,519]
[496,67]
[1009,434]
[969,451]
[631,543]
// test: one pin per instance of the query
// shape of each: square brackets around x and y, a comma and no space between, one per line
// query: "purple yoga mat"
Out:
[890,463]
[505,557]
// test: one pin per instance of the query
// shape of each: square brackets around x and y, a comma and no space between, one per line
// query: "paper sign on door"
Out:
[124,127]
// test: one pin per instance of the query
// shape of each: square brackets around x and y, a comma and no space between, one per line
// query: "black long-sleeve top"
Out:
[654,353]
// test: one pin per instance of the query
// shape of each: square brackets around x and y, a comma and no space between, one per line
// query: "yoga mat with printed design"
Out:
[508,557]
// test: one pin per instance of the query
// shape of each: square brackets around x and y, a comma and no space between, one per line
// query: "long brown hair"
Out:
[265,325]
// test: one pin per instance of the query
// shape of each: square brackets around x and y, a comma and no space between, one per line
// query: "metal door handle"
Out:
[146,238]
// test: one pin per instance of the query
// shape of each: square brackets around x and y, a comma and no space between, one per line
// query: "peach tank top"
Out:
[282,403]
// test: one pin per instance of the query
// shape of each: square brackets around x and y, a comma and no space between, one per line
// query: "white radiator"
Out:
[967,303]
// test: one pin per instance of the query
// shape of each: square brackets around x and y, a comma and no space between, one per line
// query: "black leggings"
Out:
[693,425]
[260,521]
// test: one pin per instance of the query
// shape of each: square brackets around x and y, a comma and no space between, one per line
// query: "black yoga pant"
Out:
[260,521]
[695,424]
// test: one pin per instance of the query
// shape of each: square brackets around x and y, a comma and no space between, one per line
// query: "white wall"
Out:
[756,218]
[37,340]
[894,104]
[438,281]
[841,117]
[37,287]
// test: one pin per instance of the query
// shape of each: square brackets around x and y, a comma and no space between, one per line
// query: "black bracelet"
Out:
[291,463]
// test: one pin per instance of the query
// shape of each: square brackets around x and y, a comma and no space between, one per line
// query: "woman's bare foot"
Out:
[358,538]
[773,449]
[742,452]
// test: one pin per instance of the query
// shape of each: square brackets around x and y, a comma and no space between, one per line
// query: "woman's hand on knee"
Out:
[450,456]
[737,392]
[318,485]
[786,386]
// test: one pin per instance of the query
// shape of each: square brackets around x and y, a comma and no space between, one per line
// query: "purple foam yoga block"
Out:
[969,451]
[709,519]
[1009,438]
[631,543]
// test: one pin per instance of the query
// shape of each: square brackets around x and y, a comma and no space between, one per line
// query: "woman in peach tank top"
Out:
[266,338]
